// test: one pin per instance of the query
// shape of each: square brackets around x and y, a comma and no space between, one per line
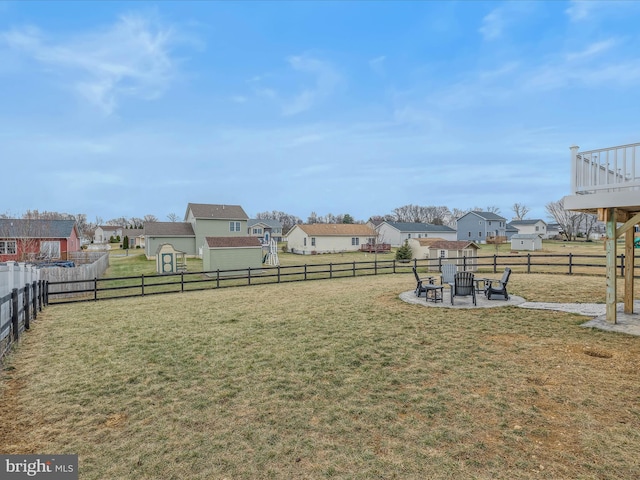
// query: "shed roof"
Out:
[233,242]
[268,223]
[30,228]
[217,212]
[336,229]
[485,215]
[168,229]
[525,236]
[527,222]
[441,244]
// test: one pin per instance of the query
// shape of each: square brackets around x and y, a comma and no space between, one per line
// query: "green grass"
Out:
[327,379]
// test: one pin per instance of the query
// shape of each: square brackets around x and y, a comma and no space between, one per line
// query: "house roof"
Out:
[337,229]
[132,232]
[268,223]
[168,229]
[420,227]
[526,222]
[525,236]
[441,244]
[486,215]
[217,212]
[110,227]
[29,228]
[234,242]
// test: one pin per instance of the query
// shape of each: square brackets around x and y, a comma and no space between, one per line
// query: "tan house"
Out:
[309,239]
[440,251]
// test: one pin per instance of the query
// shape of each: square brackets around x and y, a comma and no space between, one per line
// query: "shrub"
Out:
[404,252]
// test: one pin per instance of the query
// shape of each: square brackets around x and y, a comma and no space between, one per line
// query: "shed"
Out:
[438,250]
[526,241]
[169,260]
[228,254]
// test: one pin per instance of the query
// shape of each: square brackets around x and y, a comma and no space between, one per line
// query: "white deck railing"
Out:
[612,169]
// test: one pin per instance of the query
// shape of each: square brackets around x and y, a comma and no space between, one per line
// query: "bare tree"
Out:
[287,220]
[150,218]
[172,217]
[520,211]
[568,220]
[589,224]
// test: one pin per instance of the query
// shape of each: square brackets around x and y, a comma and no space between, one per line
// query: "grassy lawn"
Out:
[327,379]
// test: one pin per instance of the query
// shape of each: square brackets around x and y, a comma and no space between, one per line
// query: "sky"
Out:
[126,109]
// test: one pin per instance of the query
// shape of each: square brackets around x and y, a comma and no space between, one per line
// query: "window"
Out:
[355,241]
[313,241]
[469,234]
[408,235]
[234,226]
[304,241]
[8,247]
[479,234]
[256,231]
[537,228]
[443,254]
[50,249]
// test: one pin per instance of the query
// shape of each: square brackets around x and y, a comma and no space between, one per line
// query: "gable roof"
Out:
[441,244]
[216,212]
[525,236]
[485,215]
[515,223]
[132,232]
[30,228]
[235,242]
[268,223]
[168,229]
[419,227]
[337,229]
[110,227]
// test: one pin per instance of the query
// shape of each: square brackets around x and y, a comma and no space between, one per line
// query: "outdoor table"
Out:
[433,292]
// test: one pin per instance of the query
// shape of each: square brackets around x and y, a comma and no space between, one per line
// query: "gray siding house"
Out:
[265,230]
[396,233]
[178,234]
[480,226]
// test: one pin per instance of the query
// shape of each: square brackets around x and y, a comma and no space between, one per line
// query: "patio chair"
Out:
[421,282]
[463,286]
[448,272]
[498,287]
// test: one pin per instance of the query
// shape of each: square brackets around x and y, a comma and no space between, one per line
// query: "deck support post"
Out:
[608,215]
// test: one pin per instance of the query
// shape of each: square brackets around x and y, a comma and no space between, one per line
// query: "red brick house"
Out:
[27,239]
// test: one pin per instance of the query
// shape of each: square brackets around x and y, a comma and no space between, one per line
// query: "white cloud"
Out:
[131,58]
[492,24]
[326,81]
[592,50]
[580,10]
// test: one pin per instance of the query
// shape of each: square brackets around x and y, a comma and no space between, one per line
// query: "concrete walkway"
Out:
[626,323]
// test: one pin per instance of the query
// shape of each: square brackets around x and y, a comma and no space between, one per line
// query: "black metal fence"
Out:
[141,285]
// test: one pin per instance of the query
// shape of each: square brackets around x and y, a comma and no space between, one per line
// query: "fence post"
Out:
[495,263]
[354,268]
[142,283]
[570,263]
[218,278]
[34,299]
[375,266]
[26,305]
[464,262]
[249,277]
[528,263]
[181,281]
[278,273]
[15,314]
[95,289]
[394,265]
[622,265]
[46,292]
[40,294]
[330,270]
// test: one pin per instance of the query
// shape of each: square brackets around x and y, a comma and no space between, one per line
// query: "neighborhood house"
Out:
[37,240]
[308,239]
[440,252]
[396,233]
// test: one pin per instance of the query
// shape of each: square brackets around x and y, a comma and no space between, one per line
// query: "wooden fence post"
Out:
[181,281]
[26,304]
[15,314]
[495,263]
[570,263]
[528,263]
[142,283]
[249,277]
[278,273]
[34,299]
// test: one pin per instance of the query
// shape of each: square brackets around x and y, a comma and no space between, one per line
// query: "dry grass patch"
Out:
[326,379]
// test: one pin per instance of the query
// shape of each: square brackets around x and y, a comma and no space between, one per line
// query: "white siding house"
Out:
[396,233]
[535,227]
[328,238]
[439,251]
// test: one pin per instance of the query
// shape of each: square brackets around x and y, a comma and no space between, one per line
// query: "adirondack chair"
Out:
[421,282]
[463,286]
[498,287]
[448,272]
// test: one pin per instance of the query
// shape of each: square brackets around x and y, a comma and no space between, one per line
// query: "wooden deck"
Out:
[376,248]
